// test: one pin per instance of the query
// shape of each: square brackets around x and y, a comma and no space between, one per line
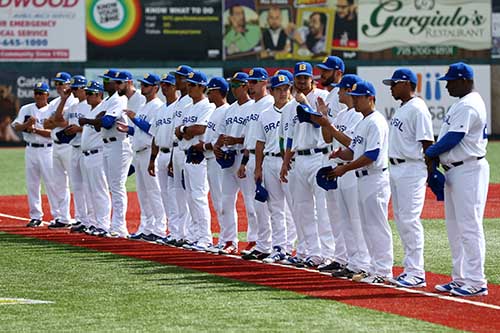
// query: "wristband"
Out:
[182,129]
[244,160]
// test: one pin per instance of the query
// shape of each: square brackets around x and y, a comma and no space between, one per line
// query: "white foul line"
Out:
[408,290]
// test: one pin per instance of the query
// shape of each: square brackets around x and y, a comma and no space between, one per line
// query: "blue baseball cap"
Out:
[261,194]
[258,74]
[109,73]
[41,87]
[218,83]
[227,159]
[239,76]
[401,74]
[458,71]
[324,180]
[279,80]
[63,77]
[94,86]
[288,74]
[168,78]
[78,81]
[436,183]
[151,78]
[122,76]
[304,113]
[332,63]
[362,88]
[347,81]
[303,68]
[183,70]
[197,77]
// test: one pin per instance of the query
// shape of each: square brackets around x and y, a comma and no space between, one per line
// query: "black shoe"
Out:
[99,232]
[78,228]
[139,236]
[255,255]
[344,273]
[151,238]
[33,223]
[332,267]
[90,230]
[180,243]
[58,225]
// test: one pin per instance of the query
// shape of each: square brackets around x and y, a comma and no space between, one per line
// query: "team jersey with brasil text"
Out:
[92,139]
[40,114]
[147,113]
[162,126]
[346,122]
[267,130]
[258,107]
[235,121]
[73,114]
[54,104]
[212,131]
[196,114]
[114,106]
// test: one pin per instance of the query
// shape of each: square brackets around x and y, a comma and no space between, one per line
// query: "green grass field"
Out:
[102,292]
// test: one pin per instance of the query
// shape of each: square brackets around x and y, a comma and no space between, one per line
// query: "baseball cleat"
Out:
[255,255]
[330,266]
[229,248]
[58,225]
[467,290]
[215,248]
[99,232]
[200,247]
[33,223]
[360,276]
[250,247]
[137,236]
[373,279]
[164,240]
[277,255]
[90,230]
[292,260]
[78,229]
[409,281]
[447,287]
[344,273]
[151,238]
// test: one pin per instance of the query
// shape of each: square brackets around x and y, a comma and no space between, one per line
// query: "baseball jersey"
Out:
[411,123]
[346,122]
[371,133]
[212,131]
[53,108]
[147,112]
[258,107]
[467,115]
[286,123]
[305,135]
[334,106]
[162,127]
[235,121]
[73,114]
[136,101]
[197,114]
[267,129]
[181,104]
[114,106]
[40,114]
[91,139]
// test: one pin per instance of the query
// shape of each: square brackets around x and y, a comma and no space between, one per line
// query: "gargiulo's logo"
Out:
[112,22]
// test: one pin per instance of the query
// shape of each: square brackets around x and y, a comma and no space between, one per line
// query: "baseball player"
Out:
[258,245]
[191,132]
[332,69]
[94,168]
[232,131]
[217,90]
[69,120]
[61,151]
[160,163]
[340,133]
[38,154]
[179,227]
[461,148]
[153,220]
[410,134]
[306,143]
[125,87]
[267,169]
[117,152]
[368,153]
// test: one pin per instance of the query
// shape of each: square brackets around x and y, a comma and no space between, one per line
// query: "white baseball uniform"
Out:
[374,191]
[213,168]
[61,153]
[162,128]
[81,190]
[94,173]
[153,219]
[261,209]
[466,188]
[346,198]
[410,124]
[117,158]
[38,163]
[136,101]
[179,228]
[333,103]
[234,126]
[196,179]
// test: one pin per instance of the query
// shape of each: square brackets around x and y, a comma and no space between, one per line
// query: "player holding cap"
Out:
[38,154]
[461,148]
[410,134]
[153,220]
[368,152]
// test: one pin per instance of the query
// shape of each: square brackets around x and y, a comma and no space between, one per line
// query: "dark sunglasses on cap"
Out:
[237,84]
[59,83]
[90,93]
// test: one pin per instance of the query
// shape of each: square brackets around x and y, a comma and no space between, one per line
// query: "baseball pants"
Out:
[61,168]
[167,187]
[178,226]
[80,188]
[294,229]
[214,173]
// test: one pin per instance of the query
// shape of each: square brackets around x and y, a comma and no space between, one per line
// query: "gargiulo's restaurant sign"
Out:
[387,23]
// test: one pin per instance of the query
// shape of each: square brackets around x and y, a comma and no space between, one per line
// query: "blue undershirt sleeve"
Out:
[372,154]
[447,142]
[131,130]
[108,121]
[142,124]
[289,142]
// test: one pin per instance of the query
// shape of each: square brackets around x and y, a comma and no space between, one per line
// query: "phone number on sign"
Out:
[24,42]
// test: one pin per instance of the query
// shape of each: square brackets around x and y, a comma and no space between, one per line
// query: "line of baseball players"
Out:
[311,164]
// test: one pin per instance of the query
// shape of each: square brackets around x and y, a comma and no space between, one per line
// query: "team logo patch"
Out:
[164,76]
[117,74]
[354,86]
[302,67]
[190,75]
[281,78]
[325,60]
[38,85]
[58,75]
[146,76]
[89,84]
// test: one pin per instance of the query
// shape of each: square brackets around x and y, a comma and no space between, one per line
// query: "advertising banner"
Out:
[432,90]
[495,29]
[42,30]
[154,30]
[424,25]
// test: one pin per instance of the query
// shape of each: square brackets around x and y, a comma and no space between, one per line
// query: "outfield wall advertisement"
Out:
[429,88]
[42,30]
